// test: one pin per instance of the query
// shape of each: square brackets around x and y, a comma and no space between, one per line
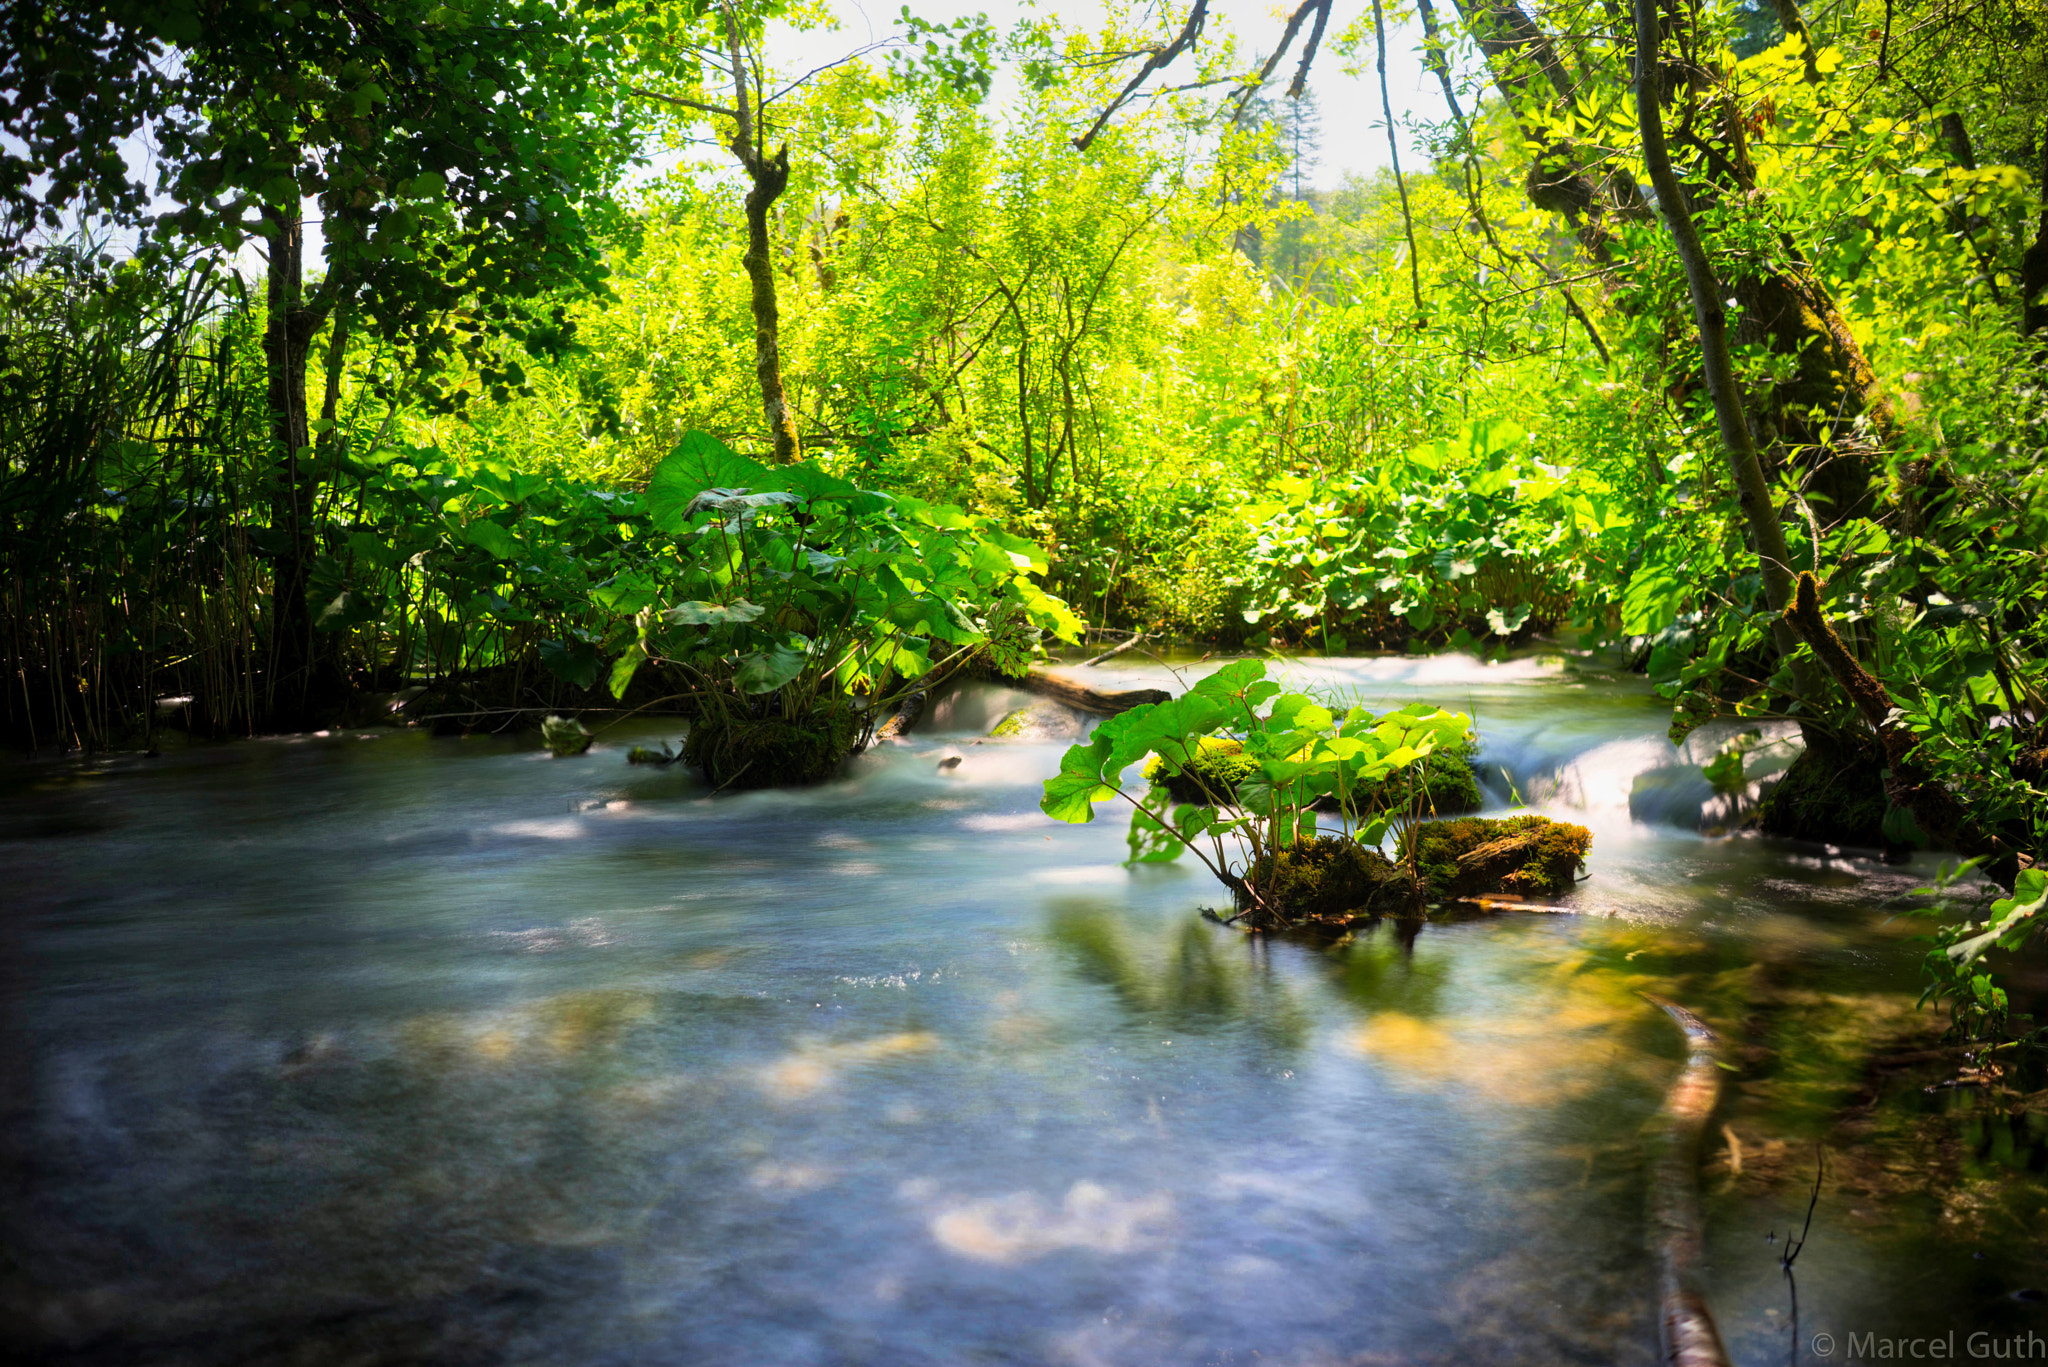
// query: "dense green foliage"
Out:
[1458,408]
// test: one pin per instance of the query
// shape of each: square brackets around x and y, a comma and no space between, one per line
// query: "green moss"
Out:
[1527,855]
[774,753]
[1329,879]
[1448,785]
[1832,793]
[1219,765]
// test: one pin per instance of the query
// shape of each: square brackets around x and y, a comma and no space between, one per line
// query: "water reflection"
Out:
[1188,975]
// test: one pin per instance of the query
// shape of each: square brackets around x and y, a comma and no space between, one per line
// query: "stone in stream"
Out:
[565,736]
[1041,720]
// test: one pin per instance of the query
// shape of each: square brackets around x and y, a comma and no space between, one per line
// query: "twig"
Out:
[1136,637]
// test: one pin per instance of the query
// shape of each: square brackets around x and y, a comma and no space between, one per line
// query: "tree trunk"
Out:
[1785,307]
[287,339]
[1731,414]
[770,176]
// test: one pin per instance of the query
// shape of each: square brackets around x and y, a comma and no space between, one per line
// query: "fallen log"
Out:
[907,713]
[1684,1324]
[1081,697]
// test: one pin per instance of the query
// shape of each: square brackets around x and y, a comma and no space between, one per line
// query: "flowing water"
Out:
[377,1048]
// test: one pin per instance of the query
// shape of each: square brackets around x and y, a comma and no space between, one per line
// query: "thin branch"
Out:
[853,56]
[1190,34]
[678,100]
[1379,29]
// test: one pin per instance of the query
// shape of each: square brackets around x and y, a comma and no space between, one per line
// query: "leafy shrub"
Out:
[1305,756]
[790,608]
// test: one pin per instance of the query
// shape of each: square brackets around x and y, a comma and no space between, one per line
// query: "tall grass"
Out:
[132,451]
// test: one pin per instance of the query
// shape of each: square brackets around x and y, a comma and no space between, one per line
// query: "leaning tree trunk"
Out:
[291,681]
[1784,306]
[1731,414]
[770,175]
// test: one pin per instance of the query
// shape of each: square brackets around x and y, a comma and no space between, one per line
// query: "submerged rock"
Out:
[1473,856]
[1044,720]
[565,736]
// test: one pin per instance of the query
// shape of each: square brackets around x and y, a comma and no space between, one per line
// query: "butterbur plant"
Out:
[1955,969]
[792,608]
[1306,758]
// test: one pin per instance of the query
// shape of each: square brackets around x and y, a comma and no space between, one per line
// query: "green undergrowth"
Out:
[1446,785]
[1471,856]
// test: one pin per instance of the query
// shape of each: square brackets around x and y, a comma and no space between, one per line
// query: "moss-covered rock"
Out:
[1330,880]
[1220,763]
[1447,783]
[1472,856]
[1834,792]
[770,753]
[565,736]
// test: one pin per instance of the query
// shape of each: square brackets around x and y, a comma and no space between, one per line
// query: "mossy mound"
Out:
[1220,763]
[772,753]
[1042,719]
[1472,856]
[1833,793]
[1328,879]
[1447,784]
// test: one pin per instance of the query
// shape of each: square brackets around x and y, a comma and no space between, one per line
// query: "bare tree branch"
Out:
[1190,34]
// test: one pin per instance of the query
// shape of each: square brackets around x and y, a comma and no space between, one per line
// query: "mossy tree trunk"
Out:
[1731,413]
[769,177]
[295,674]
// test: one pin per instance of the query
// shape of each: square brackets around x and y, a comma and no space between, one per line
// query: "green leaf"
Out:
[626,666]
[695,614]
[1724,771]
[764,671]
[571,661]
[699,462]
[489,536]
[1901,829]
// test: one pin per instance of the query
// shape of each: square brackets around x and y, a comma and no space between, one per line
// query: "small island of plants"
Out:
[1239,771]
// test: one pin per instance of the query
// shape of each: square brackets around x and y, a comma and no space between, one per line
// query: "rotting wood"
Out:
[1080,696]
[907,713]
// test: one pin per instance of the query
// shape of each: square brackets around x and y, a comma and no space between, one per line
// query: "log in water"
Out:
[1101,701]
[1685,1326]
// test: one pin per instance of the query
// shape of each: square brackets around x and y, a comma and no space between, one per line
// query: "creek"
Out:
[375,1048]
